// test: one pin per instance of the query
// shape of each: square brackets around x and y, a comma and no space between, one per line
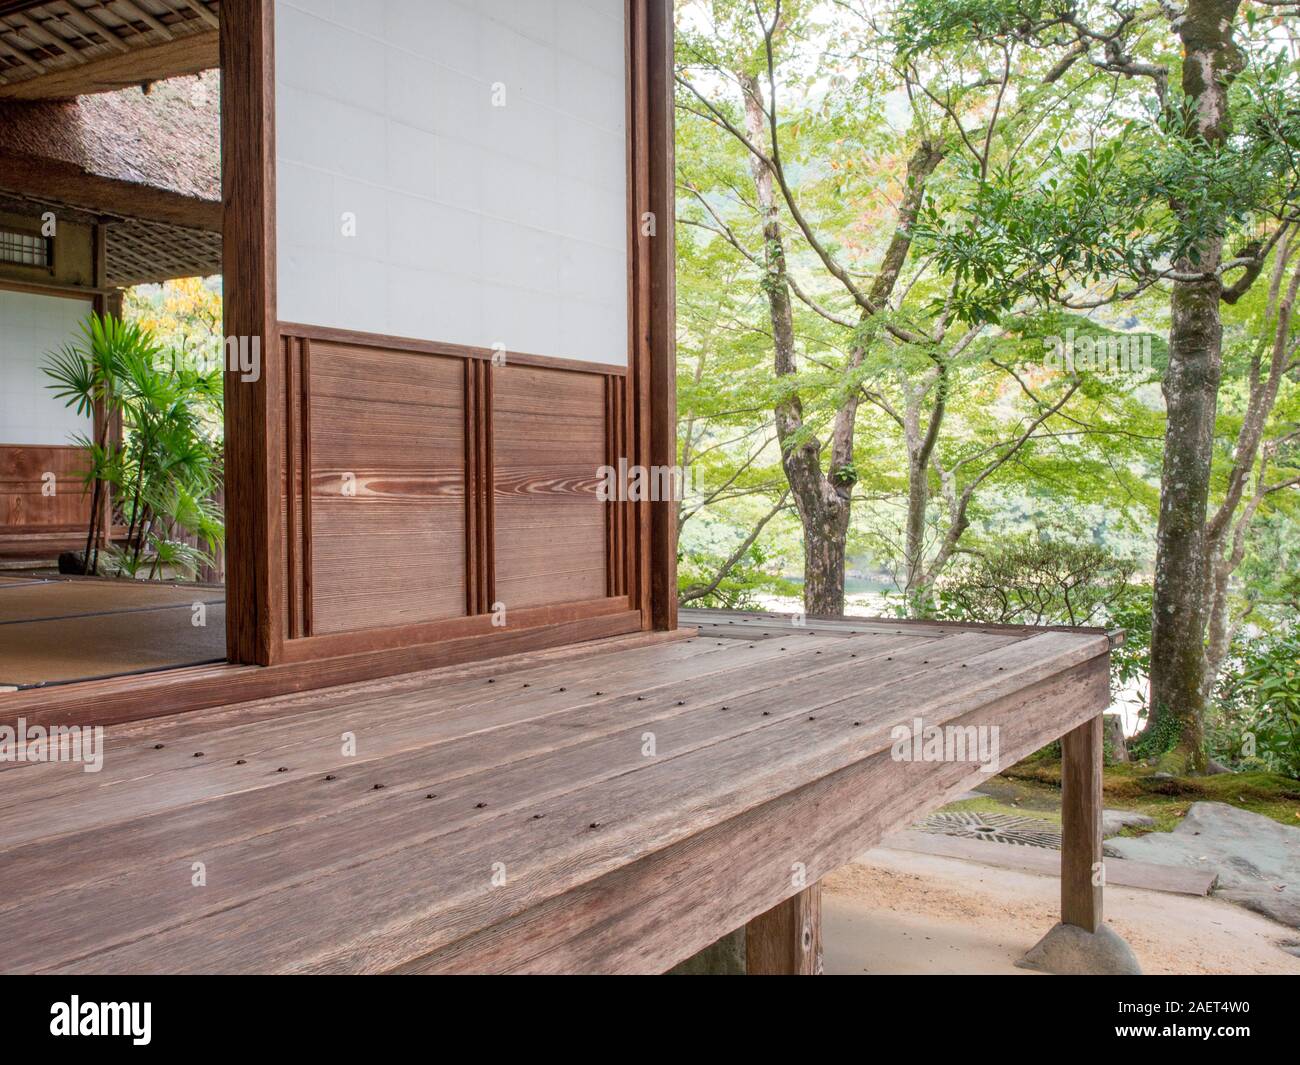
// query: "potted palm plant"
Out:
[159,475]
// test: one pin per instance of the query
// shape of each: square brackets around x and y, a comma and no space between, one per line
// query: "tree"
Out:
[1189,128]
[789,184]
[1264,463]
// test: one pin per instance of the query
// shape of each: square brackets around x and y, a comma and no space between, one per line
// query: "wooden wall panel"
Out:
[549,442]
[24,508]
[387,528]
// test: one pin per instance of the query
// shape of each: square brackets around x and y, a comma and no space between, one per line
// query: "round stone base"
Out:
[1068,950]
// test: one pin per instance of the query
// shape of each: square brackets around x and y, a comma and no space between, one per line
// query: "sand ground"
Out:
[899,913]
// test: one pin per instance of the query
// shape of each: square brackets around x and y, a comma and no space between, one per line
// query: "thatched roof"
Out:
[168,138]
[149,164]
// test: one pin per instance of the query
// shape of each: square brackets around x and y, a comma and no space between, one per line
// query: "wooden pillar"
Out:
[1081,880]
[662,310]
[787,940]
[255,551]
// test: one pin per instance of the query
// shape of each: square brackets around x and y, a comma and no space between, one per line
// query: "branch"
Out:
[700,591]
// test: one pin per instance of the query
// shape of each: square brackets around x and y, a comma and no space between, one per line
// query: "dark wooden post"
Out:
[254,547]
[787,940]
[1081,881]
[662,310]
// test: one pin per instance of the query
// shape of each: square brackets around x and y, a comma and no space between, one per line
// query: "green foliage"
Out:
[1053,221]
[166,467]
[928,25]
[1256,717]
[1033,580]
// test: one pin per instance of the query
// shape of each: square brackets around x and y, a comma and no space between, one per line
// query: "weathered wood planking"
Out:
[615,856]
[728,874]
[156,695]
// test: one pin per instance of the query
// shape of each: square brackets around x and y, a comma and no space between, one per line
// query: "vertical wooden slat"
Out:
[487,462]
[621,423]
[253,438]
[639,356]
[1081,888]
[787,940]
[472,487]
[304,532]
[484,467]
[611,506]
[662,355]
[292,489]
[480,534]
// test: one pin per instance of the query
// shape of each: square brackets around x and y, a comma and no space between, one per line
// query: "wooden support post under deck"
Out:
[1081,883]
[787,940]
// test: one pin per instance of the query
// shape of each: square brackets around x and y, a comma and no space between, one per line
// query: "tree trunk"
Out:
[1191,387]
[823,509]
[823,565]
[1178,621]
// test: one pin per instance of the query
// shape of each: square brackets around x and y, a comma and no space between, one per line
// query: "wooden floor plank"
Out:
[417,898]
[647,916]
[147,896]
[375,712]
[106,850]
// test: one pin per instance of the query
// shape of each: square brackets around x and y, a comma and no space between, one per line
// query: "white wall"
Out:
[31,326]
[475,224]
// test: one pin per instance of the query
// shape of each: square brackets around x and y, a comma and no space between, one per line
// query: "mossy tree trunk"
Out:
[1191,387]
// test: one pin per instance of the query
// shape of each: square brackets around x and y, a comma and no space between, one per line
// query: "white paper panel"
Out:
[31,326]
[474,223]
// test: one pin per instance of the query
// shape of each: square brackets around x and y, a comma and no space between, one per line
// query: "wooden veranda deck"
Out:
[610,807]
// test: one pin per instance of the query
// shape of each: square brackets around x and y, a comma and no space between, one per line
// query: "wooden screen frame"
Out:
[644,592]
[258,632]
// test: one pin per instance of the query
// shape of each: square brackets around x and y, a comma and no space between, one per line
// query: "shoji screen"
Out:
[32,325]
[455,171]
[452,183]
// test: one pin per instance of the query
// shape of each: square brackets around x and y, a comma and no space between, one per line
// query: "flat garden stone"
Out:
[1257,859]
[1115,821]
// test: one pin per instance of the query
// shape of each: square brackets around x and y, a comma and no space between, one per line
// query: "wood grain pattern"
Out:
[695,891]
[253,411]
[387,488]
[767,754]
[1081,883]
[480,479]
[548,444]
[25,508]
[787,939]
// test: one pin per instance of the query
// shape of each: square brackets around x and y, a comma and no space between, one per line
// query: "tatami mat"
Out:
[61,631]
[106,645]
[62,599]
